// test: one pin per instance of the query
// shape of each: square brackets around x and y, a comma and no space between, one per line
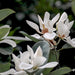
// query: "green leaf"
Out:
[61,71]
[5,12]
[4,66]
[73,6]
[13,31]
[66,46]
[30,37]
[46,50]
[53,56]
[6,51]
[3,32]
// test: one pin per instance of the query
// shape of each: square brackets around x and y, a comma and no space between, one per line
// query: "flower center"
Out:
[35,67]
[45,30]
[61,36]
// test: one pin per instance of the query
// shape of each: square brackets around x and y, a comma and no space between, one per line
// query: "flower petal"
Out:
[10,42]
[38,61]
[37,36]
[70,24]
[24,57]
[30,51]
[33,25]
[49,65]
[16,61]
[25,66]
[70,41]
[41,22]
[49,36]
[11,71]
[38,52]
[53,21]
[20,73]
[63,17]
[46,18]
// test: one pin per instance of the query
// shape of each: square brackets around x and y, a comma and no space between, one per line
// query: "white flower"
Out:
[70,41]
[4,40]
[24,58]
[64,26]
[46,26]
[29,61]
[37,60]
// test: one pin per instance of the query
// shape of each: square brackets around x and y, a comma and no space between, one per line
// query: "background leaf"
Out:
[3,32]
[5,12]
[61,71]
[13,31]
[73,6]
[53,56]
[4,66]
[6,51]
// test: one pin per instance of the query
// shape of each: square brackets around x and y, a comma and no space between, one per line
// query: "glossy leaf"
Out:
[45,47]
[61,71]
[5,12]
[46,50]
[3,32]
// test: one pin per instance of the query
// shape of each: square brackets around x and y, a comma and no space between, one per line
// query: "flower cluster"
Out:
[29,62]
[51,32]
[59,26]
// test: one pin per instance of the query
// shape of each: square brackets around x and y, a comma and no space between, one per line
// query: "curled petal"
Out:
[70,41]
[10,42]
[49,65]
[37,36]
[49,36]
[20,73]
[25,66]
